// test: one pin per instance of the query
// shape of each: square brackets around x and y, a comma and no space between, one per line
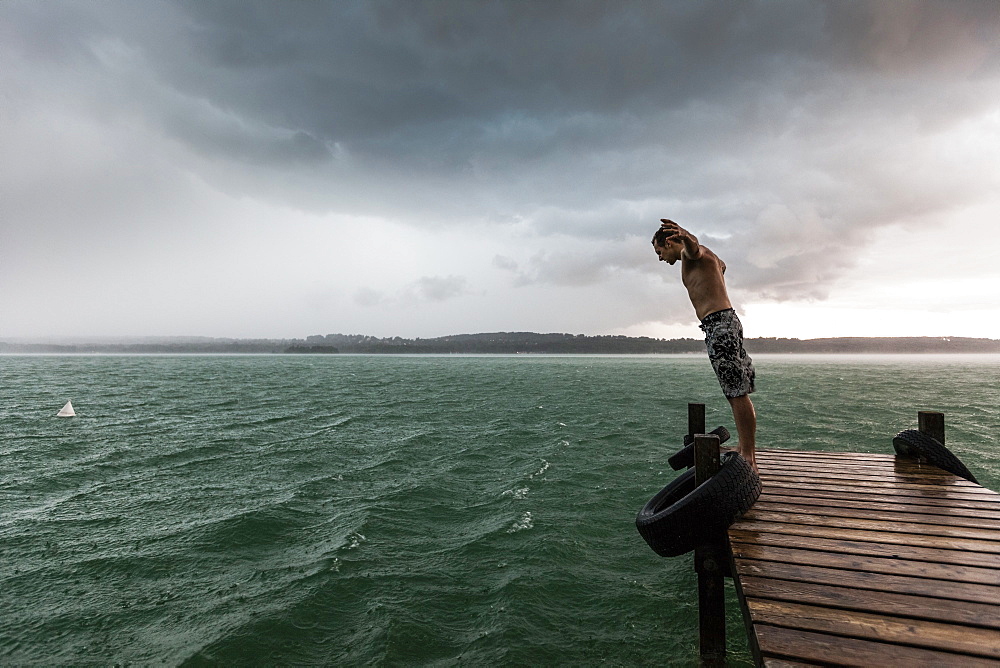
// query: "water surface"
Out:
[359,510]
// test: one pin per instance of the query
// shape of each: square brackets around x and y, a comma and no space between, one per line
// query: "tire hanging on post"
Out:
[682,515]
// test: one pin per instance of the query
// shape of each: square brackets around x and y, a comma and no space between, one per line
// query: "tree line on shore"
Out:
[504,343]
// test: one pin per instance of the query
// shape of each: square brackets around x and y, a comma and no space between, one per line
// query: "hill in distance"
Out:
[495,343]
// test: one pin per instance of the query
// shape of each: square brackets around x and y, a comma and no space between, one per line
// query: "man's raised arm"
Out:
[691,246]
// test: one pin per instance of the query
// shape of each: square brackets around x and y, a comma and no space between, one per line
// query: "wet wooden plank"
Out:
[781,663]
[887,461]
[782,453]
[847,502]
[900,552]
[910,483]
[892,488]
[816,472]
[943,491]
[807,646]
[867,563]
[844,459]
[835,461]
[887,496]
[831,462]
[954,638]
[847,466]
[869,579]
[887,604]
[896,514]
[827,466]
[882,526]
[881,537]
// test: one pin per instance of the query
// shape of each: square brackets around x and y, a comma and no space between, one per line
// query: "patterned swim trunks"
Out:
[724,340]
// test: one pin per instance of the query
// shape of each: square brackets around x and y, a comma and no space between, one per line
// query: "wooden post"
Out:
[696,419]
[708,563]
[932,424]
[706,457]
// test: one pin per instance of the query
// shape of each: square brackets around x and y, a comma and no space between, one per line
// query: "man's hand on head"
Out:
[675,232]
[672,228]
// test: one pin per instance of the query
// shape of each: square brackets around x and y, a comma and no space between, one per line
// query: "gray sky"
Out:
[282,169]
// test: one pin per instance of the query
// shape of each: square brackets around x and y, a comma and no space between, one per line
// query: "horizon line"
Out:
[192,337]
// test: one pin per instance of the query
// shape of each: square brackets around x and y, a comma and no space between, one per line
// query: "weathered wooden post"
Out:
[696,419]
[708,558]
[932,424]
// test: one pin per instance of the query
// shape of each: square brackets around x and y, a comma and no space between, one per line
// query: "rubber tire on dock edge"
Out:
[917,444]
[681,515]
[684,458]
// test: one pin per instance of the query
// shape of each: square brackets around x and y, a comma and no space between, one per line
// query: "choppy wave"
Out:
[367,510]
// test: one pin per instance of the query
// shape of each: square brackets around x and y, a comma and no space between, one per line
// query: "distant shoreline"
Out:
[503,343]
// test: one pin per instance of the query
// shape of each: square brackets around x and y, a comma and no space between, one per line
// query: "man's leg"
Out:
[746,427]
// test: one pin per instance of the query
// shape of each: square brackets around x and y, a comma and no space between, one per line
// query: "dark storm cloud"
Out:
[784,132]
[437,83]
[447,86]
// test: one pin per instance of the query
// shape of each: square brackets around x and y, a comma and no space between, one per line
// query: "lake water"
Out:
[375,510]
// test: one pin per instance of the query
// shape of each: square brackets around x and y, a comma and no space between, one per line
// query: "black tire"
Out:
[684,458]
[681,515]
[918,445]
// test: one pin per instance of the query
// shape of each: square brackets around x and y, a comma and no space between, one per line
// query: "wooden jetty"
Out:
[863,560]
[870,560]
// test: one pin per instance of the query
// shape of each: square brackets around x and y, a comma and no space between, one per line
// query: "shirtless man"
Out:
[701,272]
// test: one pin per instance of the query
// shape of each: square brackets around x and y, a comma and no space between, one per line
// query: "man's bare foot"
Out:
[751,459]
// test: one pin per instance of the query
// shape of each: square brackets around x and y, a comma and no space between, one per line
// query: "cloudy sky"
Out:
[281,169]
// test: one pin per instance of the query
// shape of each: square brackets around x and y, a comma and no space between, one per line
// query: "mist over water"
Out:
[395,510]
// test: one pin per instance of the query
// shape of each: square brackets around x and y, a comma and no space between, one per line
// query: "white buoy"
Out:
[67,410]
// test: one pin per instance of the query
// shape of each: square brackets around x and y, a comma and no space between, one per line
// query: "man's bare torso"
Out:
[703,278]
